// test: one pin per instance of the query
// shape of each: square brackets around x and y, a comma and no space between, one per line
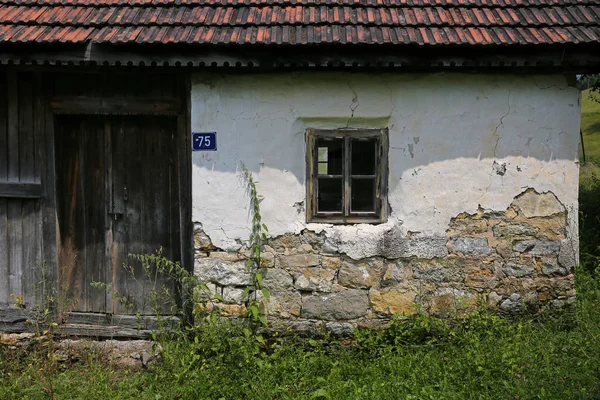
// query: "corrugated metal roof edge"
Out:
[572,58]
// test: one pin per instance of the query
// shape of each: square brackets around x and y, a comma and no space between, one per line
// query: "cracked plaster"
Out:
[446,133]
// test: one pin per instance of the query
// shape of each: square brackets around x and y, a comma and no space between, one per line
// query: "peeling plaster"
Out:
[446,130]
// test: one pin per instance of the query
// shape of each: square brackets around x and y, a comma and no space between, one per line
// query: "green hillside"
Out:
[590,124]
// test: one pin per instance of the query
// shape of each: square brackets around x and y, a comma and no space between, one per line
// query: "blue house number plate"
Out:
[204,141]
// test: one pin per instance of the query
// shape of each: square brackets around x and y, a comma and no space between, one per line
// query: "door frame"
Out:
[99,104]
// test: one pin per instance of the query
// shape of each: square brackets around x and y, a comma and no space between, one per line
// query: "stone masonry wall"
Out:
[517,260]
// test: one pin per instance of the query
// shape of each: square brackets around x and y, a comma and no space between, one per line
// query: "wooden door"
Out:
[117,195]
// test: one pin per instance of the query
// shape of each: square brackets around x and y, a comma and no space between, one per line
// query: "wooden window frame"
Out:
[381,173]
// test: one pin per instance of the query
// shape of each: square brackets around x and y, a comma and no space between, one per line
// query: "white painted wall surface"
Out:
[445,133]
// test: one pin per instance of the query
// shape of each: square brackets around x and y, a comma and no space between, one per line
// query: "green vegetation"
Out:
[482,356]
[589,181]
[590,124]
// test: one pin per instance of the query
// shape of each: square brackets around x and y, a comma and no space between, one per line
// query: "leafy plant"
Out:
[257,237]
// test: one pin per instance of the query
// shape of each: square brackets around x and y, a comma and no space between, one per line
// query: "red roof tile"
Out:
[295,22]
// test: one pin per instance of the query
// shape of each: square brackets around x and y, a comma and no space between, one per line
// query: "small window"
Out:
[347,175]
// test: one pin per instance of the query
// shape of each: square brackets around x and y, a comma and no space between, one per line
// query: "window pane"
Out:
[330,154]
[363,195]
[363,157]
[329,196]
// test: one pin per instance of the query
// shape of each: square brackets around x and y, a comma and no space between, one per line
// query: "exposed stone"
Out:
[306,248]
[394,274]
[284,304]
[553,267]
[537,247]
[224,273]
[436,271]
[451,301]
[554,287]
[290,241]
[422,247]
[481,279]
[493,299]
[563,303]
[201,241]
[518,270]
[514,229]
[512,304]
[226,310]
[360,275]
[505,249]
[277,280]
[130,354]
[567,255]
[233,295]
[392,301]
[534,204]
[343,305]
[551,228]
[472,246]
[330,262]
[467,226]
[317,279]
[298,260]
[208,293]
[267,260]
[13,339]
[340,328]
[225,256]
[301,327]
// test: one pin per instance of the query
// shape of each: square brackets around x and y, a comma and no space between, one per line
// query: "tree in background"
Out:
[592,82]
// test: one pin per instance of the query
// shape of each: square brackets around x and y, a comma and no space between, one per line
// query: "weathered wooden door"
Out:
[117,195]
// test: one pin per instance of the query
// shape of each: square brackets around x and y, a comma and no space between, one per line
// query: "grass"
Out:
[481,357]
[589,182]
[590,126]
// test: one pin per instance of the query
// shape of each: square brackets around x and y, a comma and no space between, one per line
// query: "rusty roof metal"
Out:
[422,23]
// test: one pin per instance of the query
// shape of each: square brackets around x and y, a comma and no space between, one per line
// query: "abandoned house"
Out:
[412,154]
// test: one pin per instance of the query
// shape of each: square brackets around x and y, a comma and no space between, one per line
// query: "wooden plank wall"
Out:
[21,135]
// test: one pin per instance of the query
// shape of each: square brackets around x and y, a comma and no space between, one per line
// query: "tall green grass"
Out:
[590,125]
[482,357]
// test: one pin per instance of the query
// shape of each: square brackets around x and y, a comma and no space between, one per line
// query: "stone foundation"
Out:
[518,260]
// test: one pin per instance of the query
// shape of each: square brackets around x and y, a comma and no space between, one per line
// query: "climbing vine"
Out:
[258,235]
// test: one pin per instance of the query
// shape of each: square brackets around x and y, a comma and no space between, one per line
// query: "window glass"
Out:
[363,195]
[363,157]
[329,194]
[330,156]
[348,173]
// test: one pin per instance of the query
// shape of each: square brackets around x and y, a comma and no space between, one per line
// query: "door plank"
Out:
[46,153]
[15,246]
[148,221]
[32,268]
[27,160]
[95,199]
[69,210]
[121,280]
[108,221]
[12,127]
[30,263]
[4,265]
[81,212]
[3,128]
[20,190]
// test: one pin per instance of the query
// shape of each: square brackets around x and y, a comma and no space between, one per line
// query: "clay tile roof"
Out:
[302,22]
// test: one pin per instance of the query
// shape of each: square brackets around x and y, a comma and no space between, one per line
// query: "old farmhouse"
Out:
[411,154]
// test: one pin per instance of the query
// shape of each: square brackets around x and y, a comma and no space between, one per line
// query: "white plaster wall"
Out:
[446,131]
